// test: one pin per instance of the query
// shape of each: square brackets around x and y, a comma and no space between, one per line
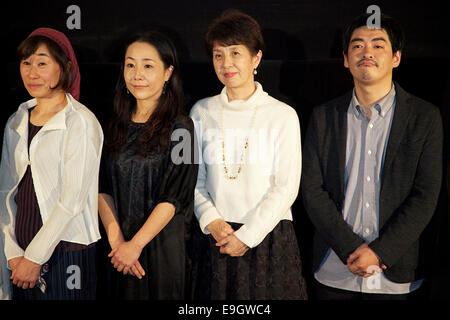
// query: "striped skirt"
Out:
[71,275]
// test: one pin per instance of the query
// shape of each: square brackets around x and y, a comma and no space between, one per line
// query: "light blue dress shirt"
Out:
[366,146]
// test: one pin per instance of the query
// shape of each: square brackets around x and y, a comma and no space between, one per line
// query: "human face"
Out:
[370,58]
[234,65]
[144,72]
[40,72]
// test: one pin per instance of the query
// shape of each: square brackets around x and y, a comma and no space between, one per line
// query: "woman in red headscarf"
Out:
[49,177]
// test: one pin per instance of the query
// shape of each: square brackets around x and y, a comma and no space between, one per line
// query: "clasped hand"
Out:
[125,257]
[364,262]
[24,272]
[229,244]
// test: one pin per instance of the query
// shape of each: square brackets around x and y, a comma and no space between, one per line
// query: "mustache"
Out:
[367,60]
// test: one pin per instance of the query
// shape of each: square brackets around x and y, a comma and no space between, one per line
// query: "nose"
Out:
[368,52]
[31,71]
[227,60]
[138,73]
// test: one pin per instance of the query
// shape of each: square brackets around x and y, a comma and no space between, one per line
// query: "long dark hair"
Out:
[155,136]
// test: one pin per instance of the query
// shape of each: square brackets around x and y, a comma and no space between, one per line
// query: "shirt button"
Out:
[367,205]
[367,230]
[368,178]
[369,152]
[371,125]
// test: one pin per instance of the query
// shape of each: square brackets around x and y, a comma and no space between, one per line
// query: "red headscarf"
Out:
[63,42]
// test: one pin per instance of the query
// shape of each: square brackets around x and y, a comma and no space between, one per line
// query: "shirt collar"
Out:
[382,106]
[58,121]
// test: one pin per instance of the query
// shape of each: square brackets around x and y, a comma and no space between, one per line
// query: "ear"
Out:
[397,57]
[257,59]
[168,73]
[345,60]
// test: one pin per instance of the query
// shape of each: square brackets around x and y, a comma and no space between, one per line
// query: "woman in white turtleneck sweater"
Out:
[249,176]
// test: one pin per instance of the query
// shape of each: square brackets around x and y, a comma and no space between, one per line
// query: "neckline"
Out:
[29,119]
[137,124]
[242,105]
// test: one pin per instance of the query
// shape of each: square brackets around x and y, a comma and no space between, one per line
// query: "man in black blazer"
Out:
[372,170]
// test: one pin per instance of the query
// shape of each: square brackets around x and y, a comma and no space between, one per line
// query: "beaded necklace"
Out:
[227,174]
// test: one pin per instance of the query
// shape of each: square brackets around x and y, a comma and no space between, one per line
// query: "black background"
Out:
[302,65]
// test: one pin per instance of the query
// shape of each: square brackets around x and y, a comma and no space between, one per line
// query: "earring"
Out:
[164,88]
[128,92]
[255,72]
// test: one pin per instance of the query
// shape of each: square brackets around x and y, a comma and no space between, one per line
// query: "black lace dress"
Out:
[137,184]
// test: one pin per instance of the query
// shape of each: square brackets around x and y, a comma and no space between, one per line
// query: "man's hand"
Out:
[233,246]
[219,229]
[363,259]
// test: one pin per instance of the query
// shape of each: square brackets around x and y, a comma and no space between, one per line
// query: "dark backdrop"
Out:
[302,65]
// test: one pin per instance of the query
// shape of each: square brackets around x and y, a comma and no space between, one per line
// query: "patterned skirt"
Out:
[270,271]
[70,275]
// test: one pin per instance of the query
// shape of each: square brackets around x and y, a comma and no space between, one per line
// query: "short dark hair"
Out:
[29,46]
[389,24]
[235,27]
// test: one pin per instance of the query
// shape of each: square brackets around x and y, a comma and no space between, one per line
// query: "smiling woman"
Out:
[146,195]
[247,248]
[49,191]
[145,77]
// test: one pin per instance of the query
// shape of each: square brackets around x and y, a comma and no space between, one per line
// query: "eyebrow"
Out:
[379,39]
[144,59]
[374,39]
[42,54]
[233,46]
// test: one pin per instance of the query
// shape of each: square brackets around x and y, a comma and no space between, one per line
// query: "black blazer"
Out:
[411,181]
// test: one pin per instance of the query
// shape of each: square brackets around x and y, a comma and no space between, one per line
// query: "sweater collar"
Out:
[242,105]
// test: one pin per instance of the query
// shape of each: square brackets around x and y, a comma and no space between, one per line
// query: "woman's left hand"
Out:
[233,246]
[124,256]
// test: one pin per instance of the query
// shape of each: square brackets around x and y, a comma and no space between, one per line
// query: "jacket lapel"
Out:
[399,123]
[341,138]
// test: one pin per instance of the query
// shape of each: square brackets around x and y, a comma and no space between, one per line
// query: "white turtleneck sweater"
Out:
[268,183]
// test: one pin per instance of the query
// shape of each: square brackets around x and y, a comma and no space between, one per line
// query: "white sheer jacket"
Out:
[64,158]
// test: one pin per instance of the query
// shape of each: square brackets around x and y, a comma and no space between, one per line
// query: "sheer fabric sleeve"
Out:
[180,175]
[104,183]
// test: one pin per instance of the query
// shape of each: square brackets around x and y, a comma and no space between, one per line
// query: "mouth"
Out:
[139,87]
[34,86]
[367,63]
[229,74]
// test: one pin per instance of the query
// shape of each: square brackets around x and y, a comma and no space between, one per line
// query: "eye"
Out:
[236,53]
[129,65]
[26,63]
[379,46]
[217,56]
[357,46]
[148,66]
[41,64]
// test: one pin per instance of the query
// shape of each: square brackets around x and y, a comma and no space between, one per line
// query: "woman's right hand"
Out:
[219,229]
[14,262]
[136,269]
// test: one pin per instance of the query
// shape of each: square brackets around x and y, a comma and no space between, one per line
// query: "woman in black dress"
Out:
[148,175]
